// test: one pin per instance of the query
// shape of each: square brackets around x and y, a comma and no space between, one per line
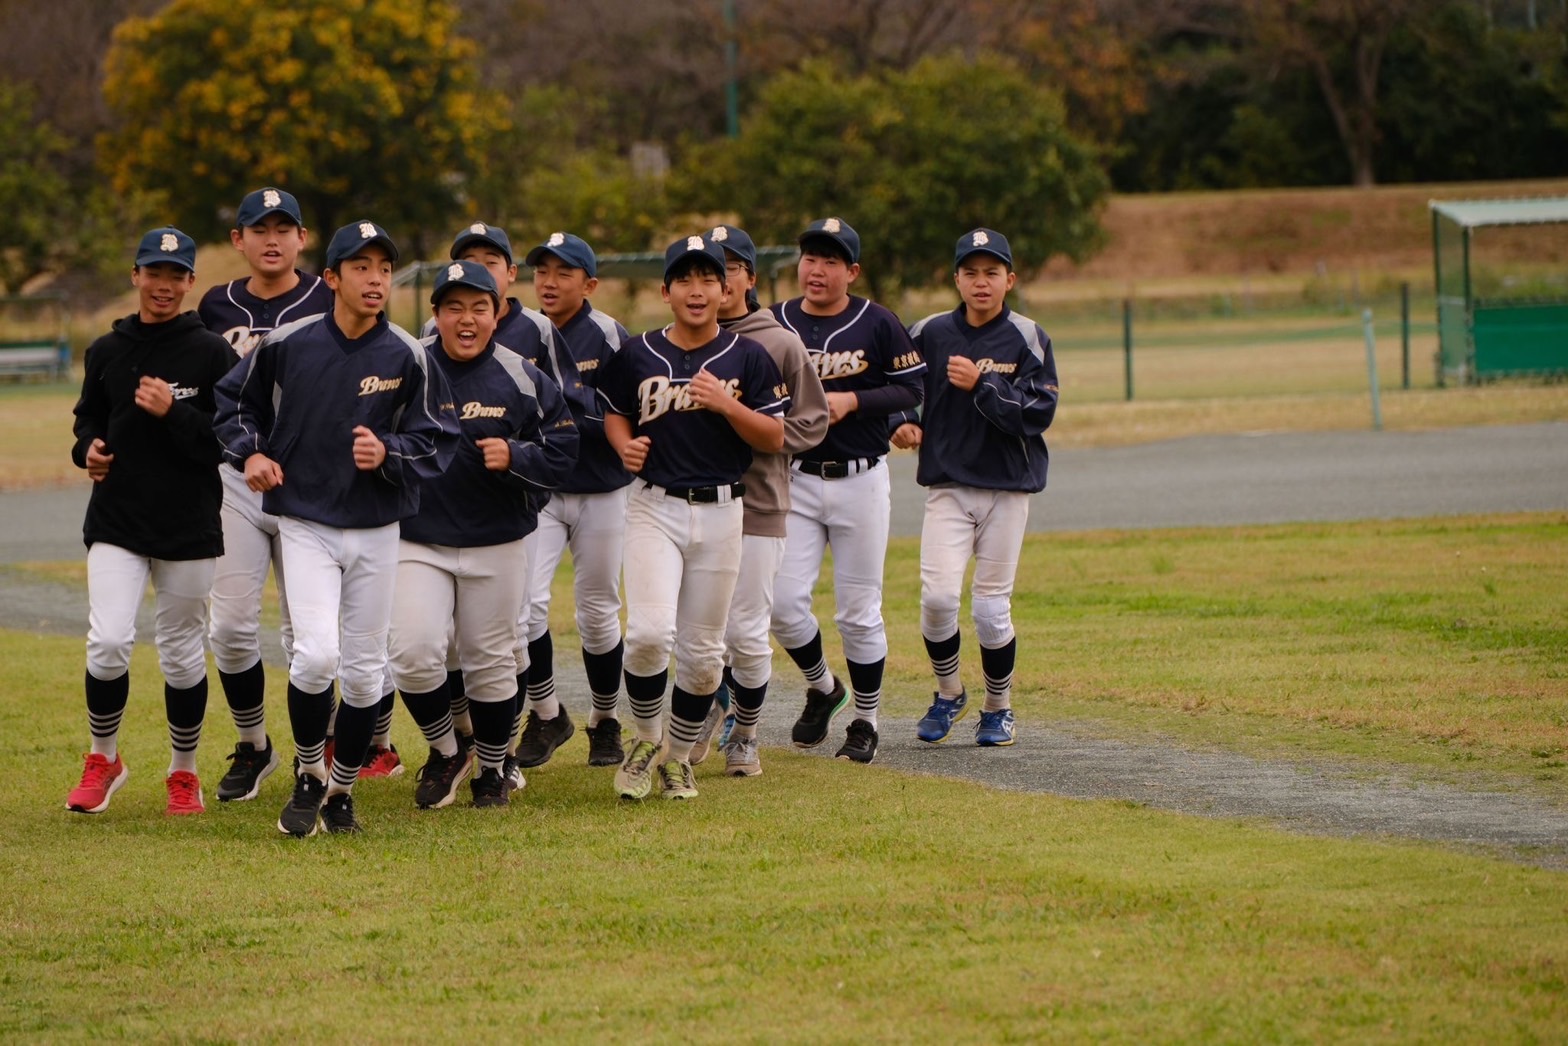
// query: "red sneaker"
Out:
[184,793]
[326,753]
[100,780]
[381,762]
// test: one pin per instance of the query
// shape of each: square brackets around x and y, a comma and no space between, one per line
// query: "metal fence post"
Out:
[1404,335]
[1127,343]
[1371,338]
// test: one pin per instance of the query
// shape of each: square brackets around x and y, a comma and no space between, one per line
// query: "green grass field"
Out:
[825,902]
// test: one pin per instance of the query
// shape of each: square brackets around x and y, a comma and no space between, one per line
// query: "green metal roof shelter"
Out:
[1494,334]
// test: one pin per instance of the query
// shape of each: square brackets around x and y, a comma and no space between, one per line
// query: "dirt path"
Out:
[1517,467]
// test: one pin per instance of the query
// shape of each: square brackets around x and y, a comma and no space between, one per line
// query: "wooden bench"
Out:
[36,357]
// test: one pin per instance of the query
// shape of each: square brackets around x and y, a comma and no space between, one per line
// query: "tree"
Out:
[1342,43]
[912,159]
[360,108]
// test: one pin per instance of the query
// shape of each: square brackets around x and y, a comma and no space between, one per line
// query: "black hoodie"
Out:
[162,495]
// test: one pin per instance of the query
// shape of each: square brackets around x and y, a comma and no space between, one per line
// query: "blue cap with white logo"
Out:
[355,237]
[169,245]
[836,231]
[734,240]
[982,241]
[694,247]
[465,274]
[257,205]
[479,232]
[572,250]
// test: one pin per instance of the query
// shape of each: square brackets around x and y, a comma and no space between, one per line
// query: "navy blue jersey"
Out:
[591,338]
[990,437]
[243,319]
[498,394]
[300,394]
[689,446]
[864,350]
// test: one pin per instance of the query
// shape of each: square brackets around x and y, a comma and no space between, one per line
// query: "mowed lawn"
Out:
[830,902]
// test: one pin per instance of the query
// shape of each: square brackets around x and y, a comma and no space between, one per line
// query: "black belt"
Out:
[838,469]
[704,495]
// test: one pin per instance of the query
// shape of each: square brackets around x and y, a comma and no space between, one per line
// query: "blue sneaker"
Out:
[729,728]
[995,729]
[941,716]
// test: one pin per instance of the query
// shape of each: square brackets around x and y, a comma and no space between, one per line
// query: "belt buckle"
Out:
[691,495]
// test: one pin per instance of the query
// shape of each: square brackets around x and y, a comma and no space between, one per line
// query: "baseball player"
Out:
[587,515]
[747,654]
[270,233]
[990,395]
[462,560]
[144,434]
[684,408]
[336,420]
[533,337]
[839,494]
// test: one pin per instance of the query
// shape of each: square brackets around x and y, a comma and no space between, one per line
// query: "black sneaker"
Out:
[604,744]
[811,729]
[541,737]
[338,814]
[439,778]
[301,816]
[248,767]
[860,742]
[490,787]
[512,774]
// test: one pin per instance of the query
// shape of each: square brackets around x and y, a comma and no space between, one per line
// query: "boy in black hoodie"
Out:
[144,434]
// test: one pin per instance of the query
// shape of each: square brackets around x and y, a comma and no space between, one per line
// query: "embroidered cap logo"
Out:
[832,225]
[454,271]
[169,242]
[556,239]
[367,230]
[478,229]
[720,234]
[694,243]
[981,239]
[270,198]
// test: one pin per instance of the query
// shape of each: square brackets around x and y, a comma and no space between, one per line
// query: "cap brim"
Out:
[456,285]
[159,258]
[674,263]
[998,255]
[468,239]
[264,215]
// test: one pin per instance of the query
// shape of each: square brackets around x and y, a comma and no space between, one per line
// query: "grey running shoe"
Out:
[740,757]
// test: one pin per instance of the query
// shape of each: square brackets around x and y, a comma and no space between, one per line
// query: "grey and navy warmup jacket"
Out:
[591,338]
[244,319]
[500,395]
[991,437]
[647,381]
[864,350]
[297,399]
[161,496]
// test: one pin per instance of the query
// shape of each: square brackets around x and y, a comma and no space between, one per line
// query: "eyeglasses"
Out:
[735,268]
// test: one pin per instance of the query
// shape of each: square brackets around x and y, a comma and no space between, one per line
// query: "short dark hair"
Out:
[692,262]
[826,247]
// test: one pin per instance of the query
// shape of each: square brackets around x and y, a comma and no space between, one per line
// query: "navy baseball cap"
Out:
[479,232]
[465,274]
[257,205]
[167,244]
[693,247]
[572,250]
[838,231]
[355,236]
[733,239]
[982,241]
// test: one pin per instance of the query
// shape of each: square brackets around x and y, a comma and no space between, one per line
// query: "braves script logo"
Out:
[659,395]
[475,409]
[242,340]
[839,364]
[182,392]
[373,385]
[990,366]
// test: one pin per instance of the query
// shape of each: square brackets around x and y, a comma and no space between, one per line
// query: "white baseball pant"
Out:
[250,546]
[341,583]
[116,581]
[593,526]
[960,521]
[746,647]
[851,516]
[681,565]
[475,593]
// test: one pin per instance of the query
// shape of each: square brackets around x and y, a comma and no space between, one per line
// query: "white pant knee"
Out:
[938,614]
[993,616]
[109,656]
